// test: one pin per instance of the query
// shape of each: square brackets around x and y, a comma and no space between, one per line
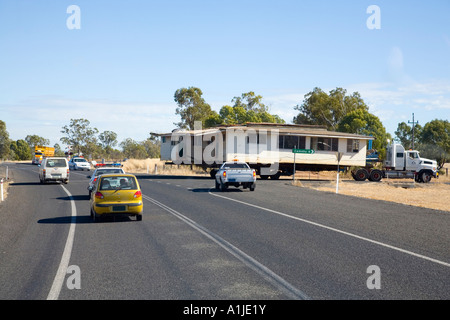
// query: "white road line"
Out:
[64,264]
[337,230]
[262,270]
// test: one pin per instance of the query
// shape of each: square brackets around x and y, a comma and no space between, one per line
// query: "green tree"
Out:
[133,149]
[80,136]
[404,133]
[361,121]
[20,150]
[320,108]
[35,140]
[108,139]
[246,108]
[4,141]
[152,148]
[435,140]
[58,151]
[191,107]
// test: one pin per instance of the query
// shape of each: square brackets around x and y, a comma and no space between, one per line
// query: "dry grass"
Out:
[156,166]
[434,195]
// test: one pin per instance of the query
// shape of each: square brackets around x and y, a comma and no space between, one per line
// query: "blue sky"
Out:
[122,68]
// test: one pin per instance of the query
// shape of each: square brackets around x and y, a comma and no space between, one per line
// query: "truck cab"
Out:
[408,163]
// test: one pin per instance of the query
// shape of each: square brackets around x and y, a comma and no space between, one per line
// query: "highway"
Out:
[279,242]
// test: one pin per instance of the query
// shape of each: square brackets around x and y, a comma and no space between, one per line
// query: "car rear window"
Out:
[118,183]
[56,163]
[108,171]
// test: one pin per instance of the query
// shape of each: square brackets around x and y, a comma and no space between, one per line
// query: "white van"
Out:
[54,169]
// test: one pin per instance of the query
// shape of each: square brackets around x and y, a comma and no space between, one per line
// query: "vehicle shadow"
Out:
[170,177]
[214,190]
[66,220]
[24,183]
[84,220]
[76,197]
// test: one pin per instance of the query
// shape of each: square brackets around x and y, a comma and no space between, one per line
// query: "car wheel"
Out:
[252,187]
[139,217]
[217,185]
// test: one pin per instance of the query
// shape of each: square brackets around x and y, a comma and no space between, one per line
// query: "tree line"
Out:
[83,139]
[335,110]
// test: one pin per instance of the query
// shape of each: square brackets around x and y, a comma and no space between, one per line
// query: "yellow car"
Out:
[116,194]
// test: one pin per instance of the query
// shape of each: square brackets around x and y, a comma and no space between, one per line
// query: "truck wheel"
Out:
[276,176]
[361,175]
[252,187]
[375,175]
[425,177]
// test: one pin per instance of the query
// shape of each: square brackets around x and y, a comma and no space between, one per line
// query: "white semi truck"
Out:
[399,163]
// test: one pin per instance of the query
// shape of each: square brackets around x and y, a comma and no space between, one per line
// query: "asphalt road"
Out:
[195,243]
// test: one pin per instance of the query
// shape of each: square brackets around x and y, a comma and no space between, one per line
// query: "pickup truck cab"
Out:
[235,173]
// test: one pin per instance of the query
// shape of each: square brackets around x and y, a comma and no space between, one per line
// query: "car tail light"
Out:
[99,195]
[95,179]
[137,194]
[224,174]
[254,173]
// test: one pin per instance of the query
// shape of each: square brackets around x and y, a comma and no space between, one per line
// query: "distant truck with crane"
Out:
[41,152]
[399,163]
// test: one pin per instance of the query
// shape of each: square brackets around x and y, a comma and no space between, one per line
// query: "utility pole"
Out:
[413,125]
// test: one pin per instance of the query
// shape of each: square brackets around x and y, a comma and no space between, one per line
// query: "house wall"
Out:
[238,144]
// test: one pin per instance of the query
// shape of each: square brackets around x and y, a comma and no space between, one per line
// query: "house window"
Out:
[325,144]
[352,145]
[291,142]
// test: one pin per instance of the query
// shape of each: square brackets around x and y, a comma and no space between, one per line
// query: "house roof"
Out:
[285,129]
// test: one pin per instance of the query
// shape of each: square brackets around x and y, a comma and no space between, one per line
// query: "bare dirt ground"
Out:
[433,195]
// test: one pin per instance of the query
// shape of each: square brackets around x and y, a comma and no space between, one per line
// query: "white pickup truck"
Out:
[235,173]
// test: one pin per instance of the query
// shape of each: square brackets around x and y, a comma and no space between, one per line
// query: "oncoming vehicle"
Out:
[116,194]
[98,172]
[54,169]
[78,163]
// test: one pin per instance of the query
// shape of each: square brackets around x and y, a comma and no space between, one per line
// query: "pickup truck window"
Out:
[235,166]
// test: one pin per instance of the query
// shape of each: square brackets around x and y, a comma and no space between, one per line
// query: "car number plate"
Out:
[56,175]
[232,180]
[119,208]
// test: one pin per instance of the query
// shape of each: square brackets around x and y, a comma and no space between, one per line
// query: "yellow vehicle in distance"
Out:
[116,194]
